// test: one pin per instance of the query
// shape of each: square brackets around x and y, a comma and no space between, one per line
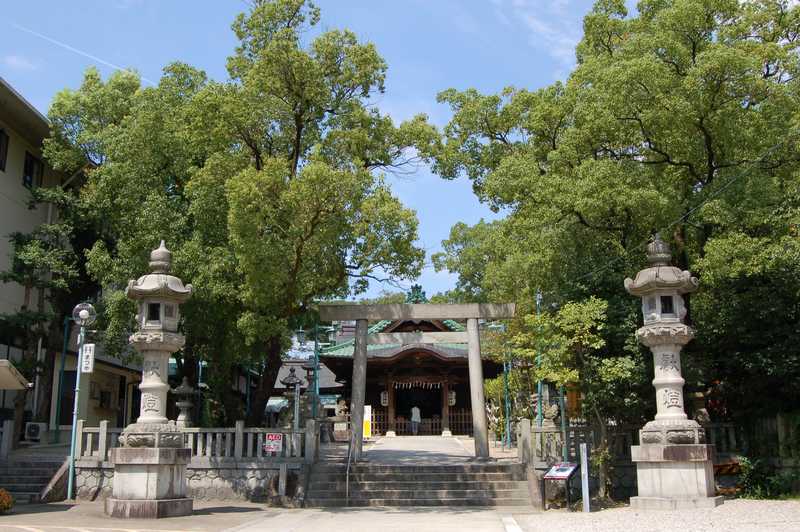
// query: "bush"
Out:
[6,501]
[759,480]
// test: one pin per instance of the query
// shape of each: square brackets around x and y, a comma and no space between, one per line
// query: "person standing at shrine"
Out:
[415,420]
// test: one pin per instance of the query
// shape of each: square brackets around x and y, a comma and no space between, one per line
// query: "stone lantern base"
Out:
[149,482]
[673,477]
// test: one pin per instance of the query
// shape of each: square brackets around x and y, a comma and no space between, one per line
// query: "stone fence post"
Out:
[524,450]
[312,441]
[102,440]
[238,439]
[7,438]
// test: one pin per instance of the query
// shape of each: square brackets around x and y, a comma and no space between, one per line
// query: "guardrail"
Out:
[218,443]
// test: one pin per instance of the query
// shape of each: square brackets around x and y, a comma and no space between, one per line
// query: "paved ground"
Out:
[88,517]
[417,450]
[737,515]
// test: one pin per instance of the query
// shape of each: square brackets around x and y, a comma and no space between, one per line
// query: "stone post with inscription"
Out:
[674,466]
[150,467]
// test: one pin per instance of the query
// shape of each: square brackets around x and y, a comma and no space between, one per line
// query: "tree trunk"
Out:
[19,416]
[602,452]
[266,383]
[45,388]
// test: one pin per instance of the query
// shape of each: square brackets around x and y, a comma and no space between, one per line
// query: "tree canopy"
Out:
[681,117]
[267,186]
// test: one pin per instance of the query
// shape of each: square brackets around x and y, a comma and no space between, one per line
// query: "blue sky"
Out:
[429,45]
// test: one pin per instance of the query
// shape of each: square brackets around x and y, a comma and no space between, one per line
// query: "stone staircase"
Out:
[467,484]
[25,479]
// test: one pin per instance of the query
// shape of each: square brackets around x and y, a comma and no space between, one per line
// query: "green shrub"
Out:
[759,480]
[6,501]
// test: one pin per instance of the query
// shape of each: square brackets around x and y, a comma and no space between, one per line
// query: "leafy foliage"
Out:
[682,118]
[266,187]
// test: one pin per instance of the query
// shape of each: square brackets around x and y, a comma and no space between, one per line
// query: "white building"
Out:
[110,394]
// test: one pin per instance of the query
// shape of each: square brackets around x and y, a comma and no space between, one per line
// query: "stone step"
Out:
[455,468]
[415,485]
[27,466]
[21,478]
[389,494]
[25,497]
[341,502]
[23,486]
[420,477]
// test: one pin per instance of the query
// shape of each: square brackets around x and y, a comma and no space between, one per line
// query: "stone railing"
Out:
[547,443]
[228,463]
[237,443]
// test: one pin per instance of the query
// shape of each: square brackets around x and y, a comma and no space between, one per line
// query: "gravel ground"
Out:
[735,515]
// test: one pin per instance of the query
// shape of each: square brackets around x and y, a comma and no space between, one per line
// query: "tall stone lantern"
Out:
[150,467]
[674,466]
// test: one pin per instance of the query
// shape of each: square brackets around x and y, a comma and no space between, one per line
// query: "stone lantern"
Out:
[150,467]
[674,466]
[292,382]
[185,393]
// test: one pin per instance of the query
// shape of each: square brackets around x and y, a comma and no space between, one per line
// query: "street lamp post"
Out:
[84,315]
[539,412]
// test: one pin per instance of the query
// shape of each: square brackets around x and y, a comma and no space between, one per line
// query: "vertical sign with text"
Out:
[87,358]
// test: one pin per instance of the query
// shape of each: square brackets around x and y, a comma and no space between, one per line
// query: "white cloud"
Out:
[18,62]
[554,26]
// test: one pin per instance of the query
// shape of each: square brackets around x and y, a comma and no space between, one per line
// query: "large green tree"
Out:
[681,117]
[266,186]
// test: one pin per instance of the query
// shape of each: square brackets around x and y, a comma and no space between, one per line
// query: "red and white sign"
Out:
[273,443]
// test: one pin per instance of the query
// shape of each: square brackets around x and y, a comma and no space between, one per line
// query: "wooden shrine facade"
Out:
[417,350]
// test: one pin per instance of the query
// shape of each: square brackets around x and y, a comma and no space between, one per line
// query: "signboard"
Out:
[367,421]
[561,471]
[87,358]
[273,443]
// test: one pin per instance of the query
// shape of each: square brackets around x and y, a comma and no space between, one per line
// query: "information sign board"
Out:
[273,442]
[87,358]
[561,471]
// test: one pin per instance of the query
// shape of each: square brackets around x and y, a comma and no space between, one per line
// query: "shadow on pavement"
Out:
[211,510]
[27,509]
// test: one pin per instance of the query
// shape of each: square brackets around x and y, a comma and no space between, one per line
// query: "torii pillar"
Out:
[472,312]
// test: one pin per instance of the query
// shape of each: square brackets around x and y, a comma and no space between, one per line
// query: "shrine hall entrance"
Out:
[429,401]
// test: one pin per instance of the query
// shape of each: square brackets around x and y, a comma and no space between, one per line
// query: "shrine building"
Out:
[434,376]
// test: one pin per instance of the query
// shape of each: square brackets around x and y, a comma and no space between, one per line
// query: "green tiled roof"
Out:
[345,349]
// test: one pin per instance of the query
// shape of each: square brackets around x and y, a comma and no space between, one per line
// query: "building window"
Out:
[32,172]
[3,149]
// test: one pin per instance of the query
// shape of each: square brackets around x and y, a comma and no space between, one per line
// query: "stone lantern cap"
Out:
[661,275]
[159,283]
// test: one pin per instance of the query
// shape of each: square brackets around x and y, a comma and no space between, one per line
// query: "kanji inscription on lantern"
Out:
[151,368]
[672,398]
[151,403]
[669,361]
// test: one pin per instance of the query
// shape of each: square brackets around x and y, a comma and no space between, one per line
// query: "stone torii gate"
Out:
[363,314]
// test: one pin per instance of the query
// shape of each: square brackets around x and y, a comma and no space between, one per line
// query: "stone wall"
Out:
[243,482]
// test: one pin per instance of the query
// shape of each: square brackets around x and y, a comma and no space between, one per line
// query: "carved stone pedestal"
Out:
[149,483]
[674,477]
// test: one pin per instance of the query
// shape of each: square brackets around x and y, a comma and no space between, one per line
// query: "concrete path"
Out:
[733,516]
[246,517]
[418,450]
